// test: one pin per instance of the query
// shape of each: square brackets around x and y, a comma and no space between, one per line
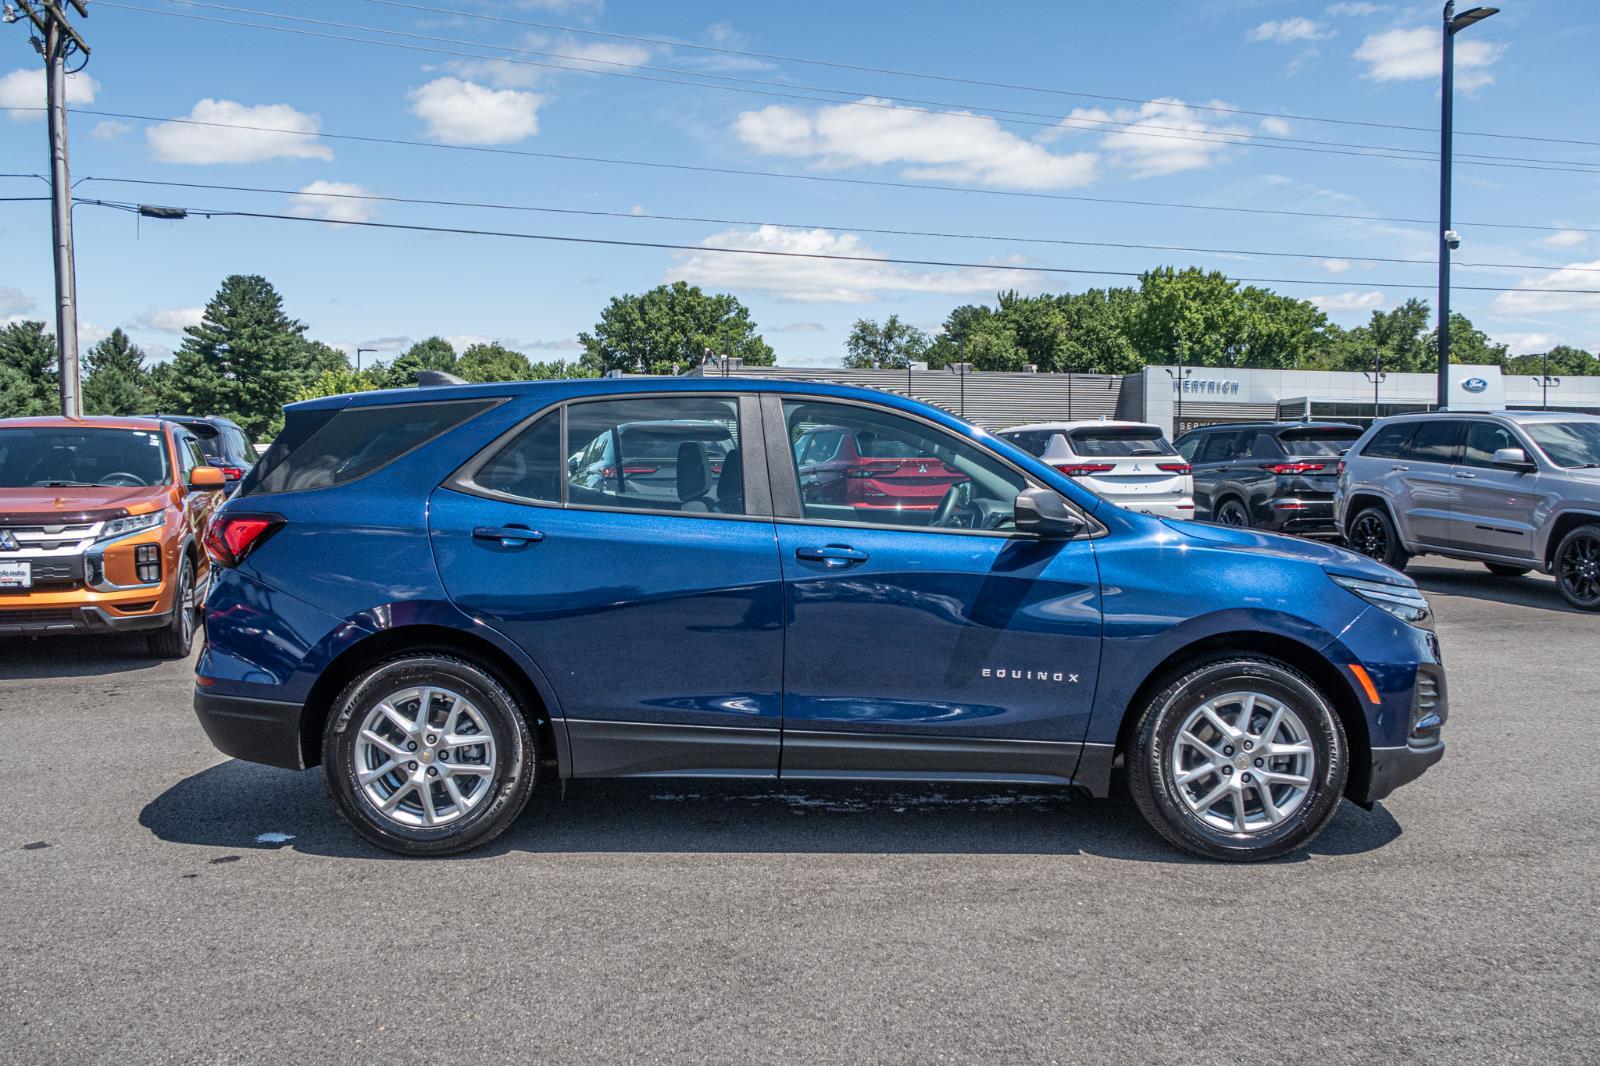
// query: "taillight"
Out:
[1340,470]
[230,538]
[1174,468]
[1086,469]
[232,473]
[1295,468]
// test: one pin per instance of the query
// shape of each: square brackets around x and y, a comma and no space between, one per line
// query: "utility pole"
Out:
[56,40]
[1448,238]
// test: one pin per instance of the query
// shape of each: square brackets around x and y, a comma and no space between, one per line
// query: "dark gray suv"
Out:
[1515,490]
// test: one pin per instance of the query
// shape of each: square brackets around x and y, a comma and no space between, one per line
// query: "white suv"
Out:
[1128,463]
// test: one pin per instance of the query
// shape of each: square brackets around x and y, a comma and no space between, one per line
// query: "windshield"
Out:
[1568,444]
[71,457]
[1119,440]
[1300,442]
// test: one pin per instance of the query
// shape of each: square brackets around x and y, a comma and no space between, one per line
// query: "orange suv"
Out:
[101,527]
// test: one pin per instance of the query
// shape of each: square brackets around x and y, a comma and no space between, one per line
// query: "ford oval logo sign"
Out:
[1475,385]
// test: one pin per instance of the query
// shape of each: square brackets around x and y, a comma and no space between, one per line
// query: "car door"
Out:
[657,623]
[1423,482]
[1213,466]
[1496,509]
[960,651]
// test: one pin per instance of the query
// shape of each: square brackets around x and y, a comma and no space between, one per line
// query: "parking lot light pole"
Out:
[1453,24]
[1177,386]
[358,356]
[961,370]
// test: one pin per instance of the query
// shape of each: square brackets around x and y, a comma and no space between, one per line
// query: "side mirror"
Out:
[206,477]
[1045,514]
[1513,459]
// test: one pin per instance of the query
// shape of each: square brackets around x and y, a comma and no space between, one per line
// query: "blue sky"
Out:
[1530,71]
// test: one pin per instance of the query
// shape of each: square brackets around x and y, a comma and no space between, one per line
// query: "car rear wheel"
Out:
[428,754]
[1232,512]
[1502,570]
[175,639]
[1578,567]
[1240,758]
[1372,533]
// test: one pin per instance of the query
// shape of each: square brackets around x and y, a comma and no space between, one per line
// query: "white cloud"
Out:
[14,301]
[1159,137]
[90,334]
[173,320]
[1528,343]
[799,327]
[24,87]
[821,280]
[637,209]
[1284,31]
[1567,238]
[177,142]
[520,71]
[1354,10]
[1350,301]
[462,341]
[109,130]
[464,112]
[1336,266]
[1275,127]
[330,200]
[1405,55]
[1571,276]
[931,146]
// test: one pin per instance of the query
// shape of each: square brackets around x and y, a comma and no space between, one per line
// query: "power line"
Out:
[790,176]
[722,50]
[1141,129]
[650,217]
[768,253]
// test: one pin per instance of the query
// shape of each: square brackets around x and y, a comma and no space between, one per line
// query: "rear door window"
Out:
[336,447]
[657,453]
[1221,447]
[1391,441]
[1436,441]
[1032,441]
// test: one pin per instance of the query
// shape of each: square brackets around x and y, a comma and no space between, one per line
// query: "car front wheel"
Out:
[1241,758]
[1578,567]
[176,639]
[428,754]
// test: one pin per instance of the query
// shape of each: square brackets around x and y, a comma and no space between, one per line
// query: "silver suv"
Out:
[1515,490]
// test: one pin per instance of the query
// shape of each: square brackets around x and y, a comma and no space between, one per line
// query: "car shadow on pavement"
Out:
[33,658]
[241,806]
[1533,590]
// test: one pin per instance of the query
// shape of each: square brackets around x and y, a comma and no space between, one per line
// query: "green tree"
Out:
[28,380]
[435,353]
[493,362]
[116,382]
[1097,332]
[340,380]
[1191,316]
[671,327]
[894,345]
[245,359]
[950,346]
[1280,331]
[1468,344]
[1562,359]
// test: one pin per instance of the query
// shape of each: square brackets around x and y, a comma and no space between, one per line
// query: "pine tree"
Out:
[116,382]
[28,379]
[245,359]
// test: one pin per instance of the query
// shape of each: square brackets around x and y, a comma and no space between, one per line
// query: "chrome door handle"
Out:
[1399,469]
[508,536]
[1463,474]
[832,555]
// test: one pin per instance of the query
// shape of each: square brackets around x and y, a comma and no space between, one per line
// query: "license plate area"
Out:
[16,575]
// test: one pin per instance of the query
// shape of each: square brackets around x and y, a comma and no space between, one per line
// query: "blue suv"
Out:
[440,594]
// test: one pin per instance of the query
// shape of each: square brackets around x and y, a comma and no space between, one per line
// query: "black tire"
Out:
[1153,782]
[1372,533]
[176,639]
[1232,512]
[1578,567]
[1502,570]
[516,755]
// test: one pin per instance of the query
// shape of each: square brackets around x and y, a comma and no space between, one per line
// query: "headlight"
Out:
[119,527]
[1402,601]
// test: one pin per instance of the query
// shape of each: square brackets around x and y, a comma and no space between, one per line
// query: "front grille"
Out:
[38,616]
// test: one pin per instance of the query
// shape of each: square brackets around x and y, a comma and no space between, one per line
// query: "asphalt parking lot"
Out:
[163,903]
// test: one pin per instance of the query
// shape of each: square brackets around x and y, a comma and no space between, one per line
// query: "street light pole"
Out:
[961,369]
[358,357]
[1453,24]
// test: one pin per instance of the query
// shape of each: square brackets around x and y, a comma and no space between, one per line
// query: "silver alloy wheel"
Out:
[1246,754]
[425,757]
[186,603]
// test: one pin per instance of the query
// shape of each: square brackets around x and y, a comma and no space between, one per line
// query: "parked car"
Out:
[1277,476]
[646,458]
[1129,463]
[100,527]
[866,474]
[222,442]
[414,591]
[1515,490]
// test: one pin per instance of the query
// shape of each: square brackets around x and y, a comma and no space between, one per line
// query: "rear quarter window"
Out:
[335,448]
[1391,441]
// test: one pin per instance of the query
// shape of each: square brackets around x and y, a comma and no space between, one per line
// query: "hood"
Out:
[1331,558]
[86,503]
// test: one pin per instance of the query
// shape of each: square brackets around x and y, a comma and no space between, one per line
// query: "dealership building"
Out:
[1180,398]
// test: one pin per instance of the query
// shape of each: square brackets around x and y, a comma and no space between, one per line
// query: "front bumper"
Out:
[1393,767]
[255,730]
[37,621]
